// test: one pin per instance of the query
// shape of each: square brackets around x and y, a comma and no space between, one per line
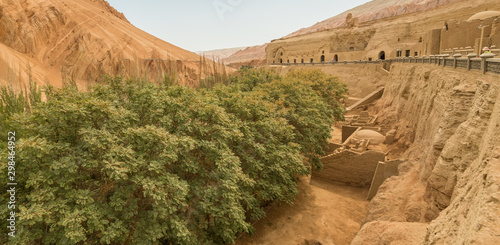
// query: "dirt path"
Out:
[323,212]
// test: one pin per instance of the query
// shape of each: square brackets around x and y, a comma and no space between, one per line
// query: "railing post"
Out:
[444,58]
[483,60]
[455,57]
[469,63]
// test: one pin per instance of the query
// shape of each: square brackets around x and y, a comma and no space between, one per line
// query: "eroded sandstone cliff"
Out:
[448,125]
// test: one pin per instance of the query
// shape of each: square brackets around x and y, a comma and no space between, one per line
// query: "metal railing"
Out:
[483,64]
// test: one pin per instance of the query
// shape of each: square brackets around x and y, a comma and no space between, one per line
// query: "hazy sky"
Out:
[201,25]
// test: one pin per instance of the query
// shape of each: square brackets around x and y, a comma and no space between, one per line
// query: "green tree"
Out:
[328,87]
[132,162]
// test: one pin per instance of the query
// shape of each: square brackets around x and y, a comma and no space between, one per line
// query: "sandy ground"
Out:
[336,135]
[323,212]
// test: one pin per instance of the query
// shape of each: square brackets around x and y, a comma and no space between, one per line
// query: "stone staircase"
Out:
[367,99]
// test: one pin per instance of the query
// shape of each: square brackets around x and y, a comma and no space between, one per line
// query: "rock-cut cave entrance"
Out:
[381,55]
[322,58]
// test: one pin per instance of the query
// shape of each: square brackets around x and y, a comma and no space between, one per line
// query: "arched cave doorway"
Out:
[381,55]
[336,58]
[281,60]
[322,58]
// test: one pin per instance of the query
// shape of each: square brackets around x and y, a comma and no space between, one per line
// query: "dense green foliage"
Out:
[137,163]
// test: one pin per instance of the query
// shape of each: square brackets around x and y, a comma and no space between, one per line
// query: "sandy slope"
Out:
[83,39]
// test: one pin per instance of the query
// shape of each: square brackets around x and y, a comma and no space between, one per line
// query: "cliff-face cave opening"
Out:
[381,55]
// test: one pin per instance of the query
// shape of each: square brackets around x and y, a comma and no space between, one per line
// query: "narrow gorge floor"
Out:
[323,212]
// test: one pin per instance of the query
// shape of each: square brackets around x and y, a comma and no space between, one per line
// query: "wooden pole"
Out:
[481,40]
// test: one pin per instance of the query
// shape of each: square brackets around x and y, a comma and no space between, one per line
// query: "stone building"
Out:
[465,36]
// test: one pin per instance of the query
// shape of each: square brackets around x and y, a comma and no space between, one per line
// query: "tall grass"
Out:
[19,95]
[178,72]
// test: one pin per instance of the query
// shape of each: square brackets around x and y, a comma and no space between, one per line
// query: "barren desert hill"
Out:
[254,55]
[82,39]
[236,57]
[219,54]
[374,10]
[371,11]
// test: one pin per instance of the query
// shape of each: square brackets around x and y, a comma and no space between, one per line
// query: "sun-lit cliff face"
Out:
[83,40]
[448,190]
[374,10]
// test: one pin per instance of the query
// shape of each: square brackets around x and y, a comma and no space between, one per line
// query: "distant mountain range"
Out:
[219,54]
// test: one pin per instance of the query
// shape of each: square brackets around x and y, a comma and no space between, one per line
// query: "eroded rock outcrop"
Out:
[373,10]
[449,122]
[393,233]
